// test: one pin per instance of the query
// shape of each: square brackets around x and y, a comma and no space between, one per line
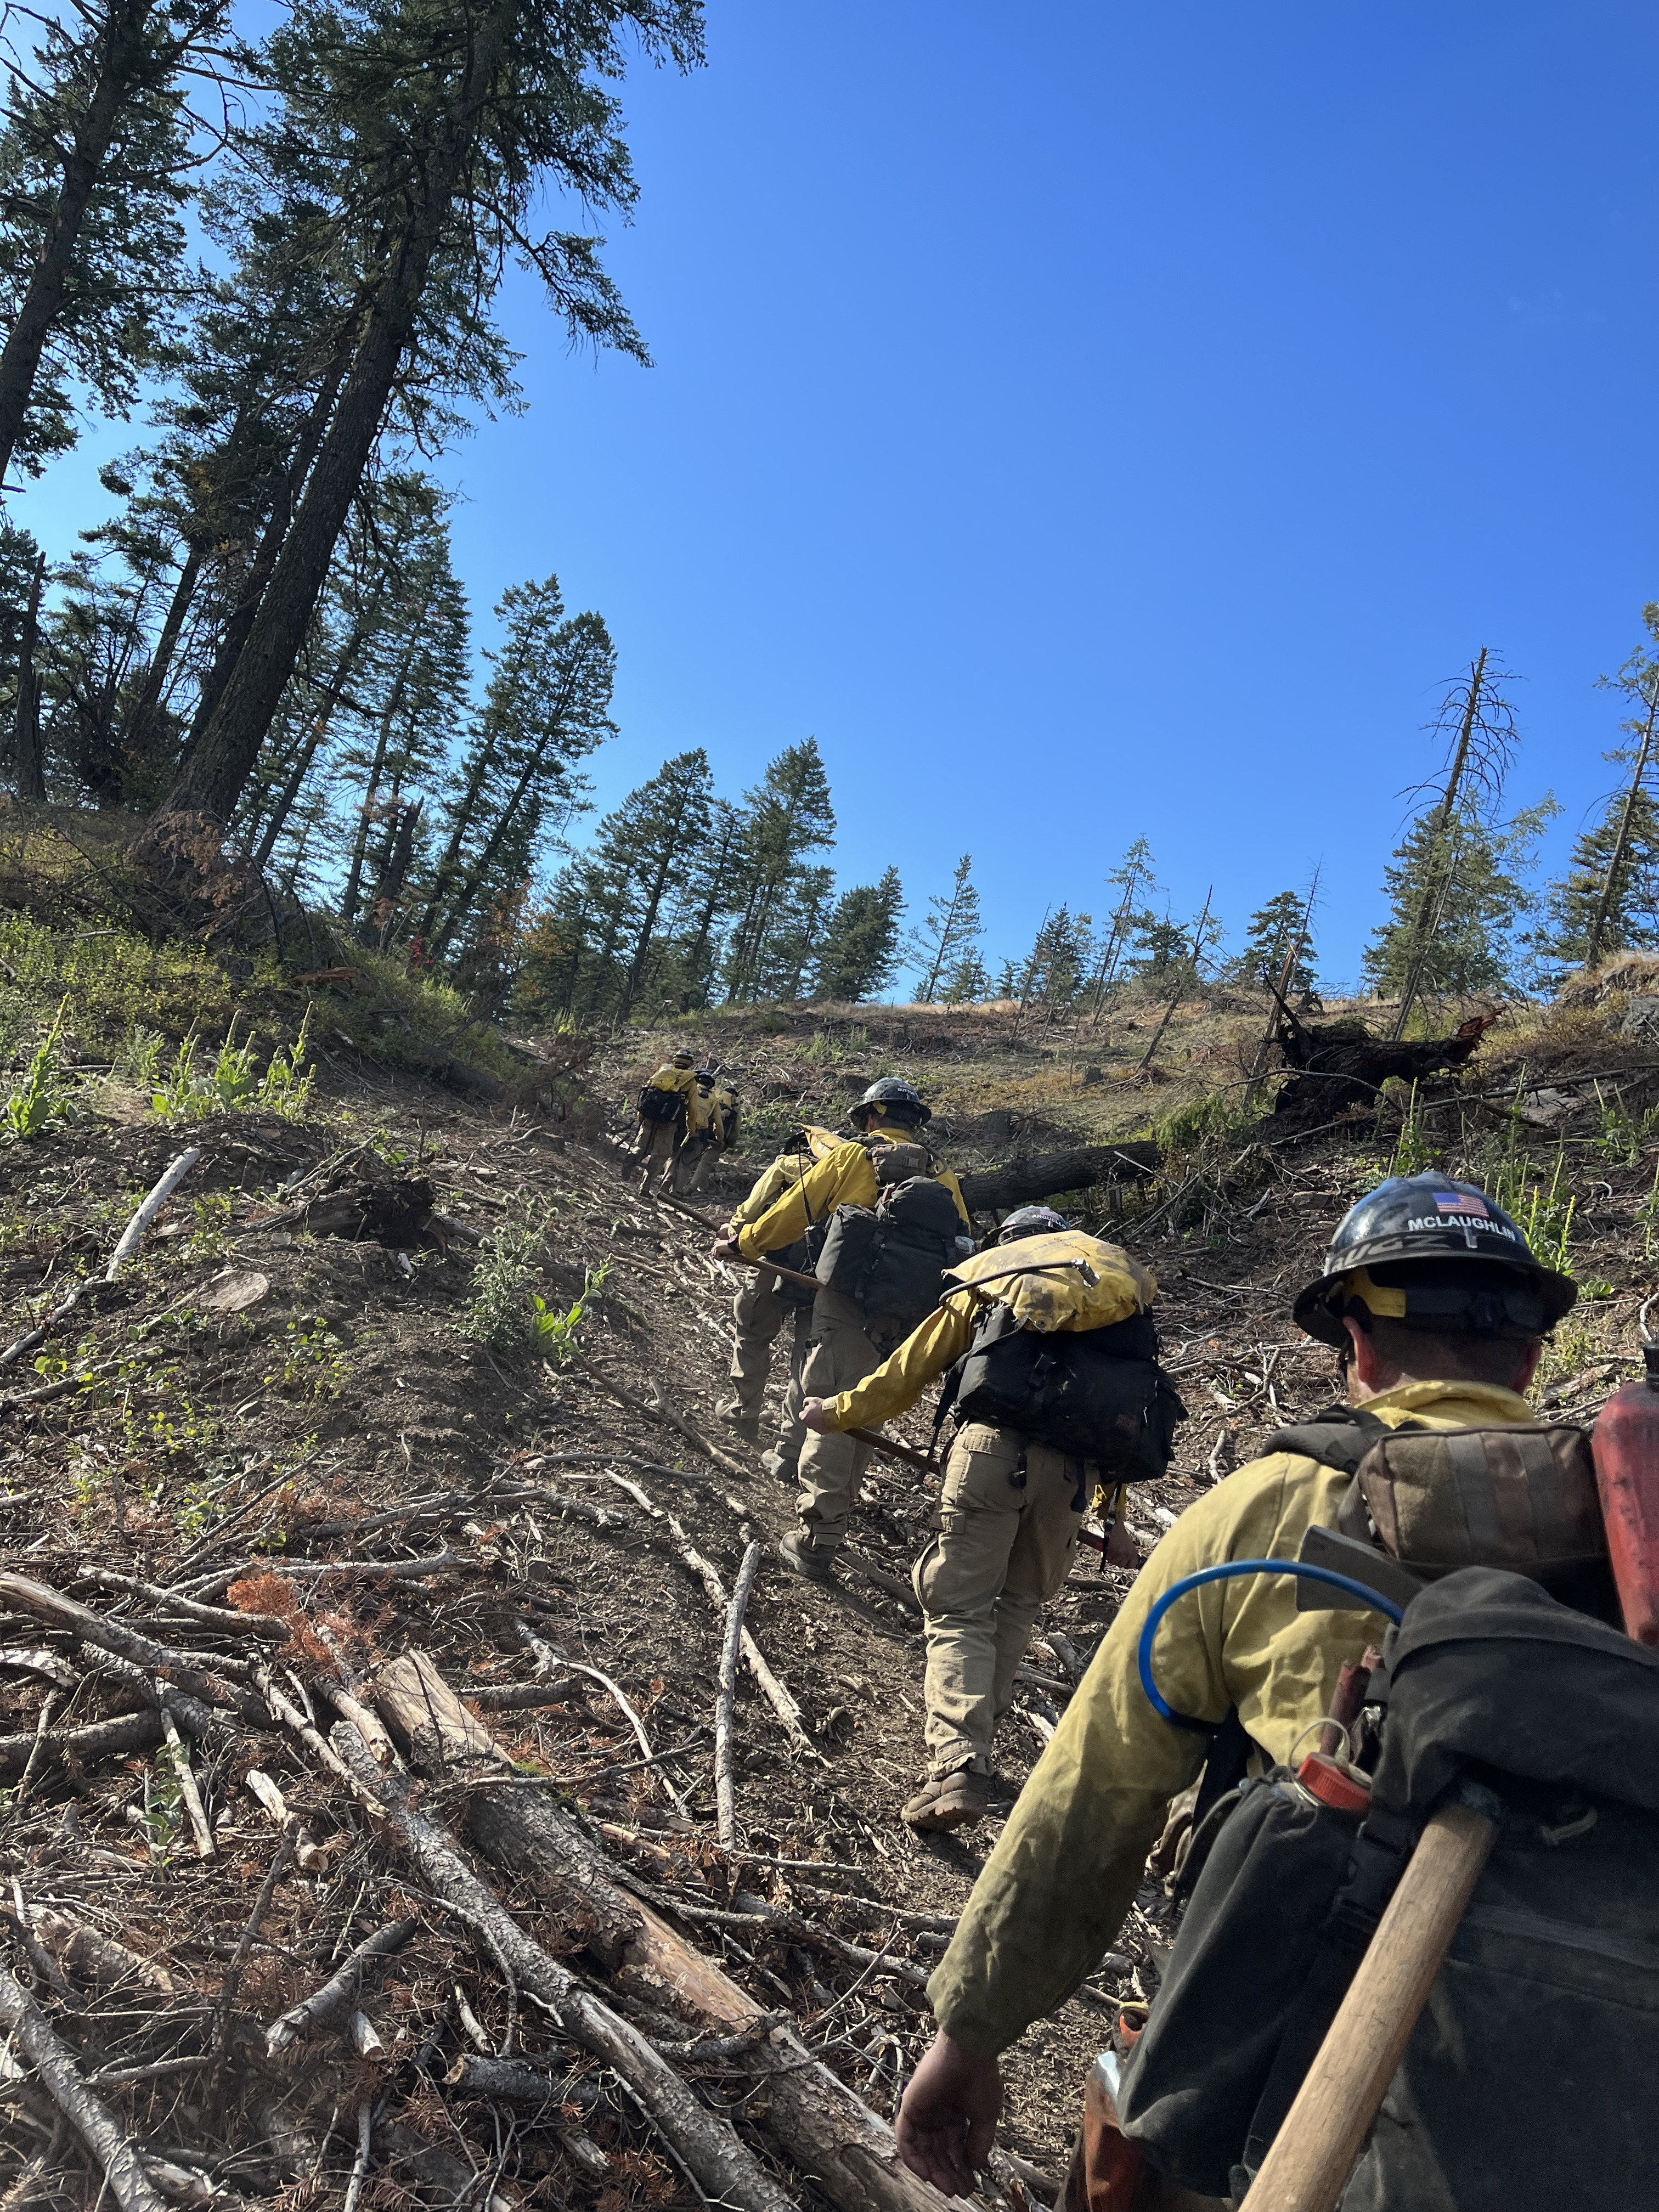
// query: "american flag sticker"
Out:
[1459,1201]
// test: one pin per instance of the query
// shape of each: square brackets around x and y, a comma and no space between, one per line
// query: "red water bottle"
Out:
[1624,1444]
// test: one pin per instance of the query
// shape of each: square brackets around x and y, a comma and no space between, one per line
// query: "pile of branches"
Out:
[437,1969]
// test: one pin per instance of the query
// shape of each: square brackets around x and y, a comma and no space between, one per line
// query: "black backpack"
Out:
[1526,2084]
[659,1106]
[1098,1395]
[891,1257]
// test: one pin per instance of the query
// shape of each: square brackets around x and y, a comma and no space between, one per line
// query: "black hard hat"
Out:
[1030,1221]
[898,1099]
[1433,1254]
[682,1058]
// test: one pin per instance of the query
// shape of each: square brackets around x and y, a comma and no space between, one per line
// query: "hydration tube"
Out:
[1228,1570]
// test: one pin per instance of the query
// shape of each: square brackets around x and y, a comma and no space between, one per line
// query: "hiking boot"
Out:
[948,1801]
[804,1557]
[746,1425]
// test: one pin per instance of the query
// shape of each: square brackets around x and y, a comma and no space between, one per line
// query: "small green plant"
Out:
[138,1056]
[498,1312]
[180,1092]
[1622,1136]
[556,1332]
[41,1099]
[1413,1151]
[285,1086]
[314,1360]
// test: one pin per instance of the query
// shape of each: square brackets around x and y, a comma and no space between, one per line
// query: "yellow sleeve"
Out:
[905,1373]
[846,1178]
[697,1110]
[948,1179]
[1054,1892]
[776,1179]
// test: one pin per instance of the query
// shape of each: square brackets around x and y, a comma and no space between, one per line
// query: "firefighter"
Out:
[1010,1509]
[719,1133]
[671,1111]
[1439,1310]
[765,1304]
[853,1328]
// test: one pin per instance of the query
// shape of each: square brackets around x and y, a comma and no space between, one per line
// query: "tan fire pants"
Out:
[760,1311]
[841,1352]
[658,1141]
[1009,1514]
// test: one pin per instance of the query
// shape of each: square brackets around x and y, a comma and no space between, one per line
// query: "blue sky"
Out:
[1089,421]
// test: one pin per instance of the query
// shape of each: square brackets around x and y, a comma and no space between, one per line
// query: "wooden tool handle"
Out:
[1314,2151]
[893,1449]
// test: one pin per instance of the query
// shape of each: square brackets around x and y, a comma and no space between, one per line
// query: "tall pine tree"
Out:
[948,937]
[859,950]
[787,815]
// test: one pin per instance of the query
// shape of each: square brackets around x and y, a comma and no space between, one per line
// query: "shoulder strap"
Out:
[1337,1436]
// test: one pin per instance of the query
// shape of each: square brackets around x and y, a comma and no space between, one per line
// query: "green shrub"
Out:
[41,1099]
[499,1312]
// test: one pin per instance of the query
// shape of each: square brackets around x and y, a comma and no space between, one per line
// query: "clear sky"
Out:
[1089,421]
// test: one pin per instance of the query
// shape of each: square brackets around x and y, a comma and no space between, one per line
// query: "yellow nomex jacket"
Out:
[684,1080]
[845,1178]
[1053,1893]
[1065,1281]
[789,1169]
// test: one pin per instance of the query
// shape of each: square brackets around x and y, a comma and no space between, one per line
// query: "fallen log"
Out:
[1045,1174]
[706,2142]
[828,2130]
[341,1989]
[92,2119]
[98,1740]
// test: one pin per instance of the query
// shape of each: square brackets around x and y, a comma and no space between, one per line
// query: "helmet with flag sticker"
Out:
[1433,1255]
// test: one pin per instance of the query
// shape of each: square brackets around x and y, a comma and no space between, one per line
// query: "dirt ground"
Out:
[250,1401]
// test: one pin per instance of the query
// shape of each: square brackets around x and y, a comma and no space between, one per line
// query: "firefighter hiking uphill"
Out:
[1048,1347]
[1432,1473]
[671,1111]
[767,1303]
[886,1221]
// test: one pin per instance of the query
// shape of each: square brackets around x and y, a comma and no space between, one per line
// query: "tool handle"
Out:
[894,1450]
[1313,2151]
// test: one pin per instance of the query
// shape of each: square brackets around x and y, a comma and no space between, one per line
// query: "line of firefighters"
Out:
[1043,1339]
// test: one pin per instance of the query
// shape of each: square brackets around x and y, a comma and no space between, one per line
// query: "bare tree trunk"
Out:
[26,741]
[1189,975]
[118,40]
[1428,913]
[155,675]
[1293,955]
[377,768]
[1621,843]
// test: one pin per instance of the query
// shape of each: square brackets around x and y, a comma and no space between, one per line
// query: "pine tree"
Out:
[547,707]
[1058,962]
[949,935]
[605,941]
[96,160]
[1474,875]
[787,815]
[1607,901]
[859,947]
[968,980]
[1132,883]
[440,128]
[1278,931]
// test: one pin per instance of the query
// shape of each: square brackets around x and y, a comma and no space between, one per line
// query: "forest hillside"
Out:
[371,1531]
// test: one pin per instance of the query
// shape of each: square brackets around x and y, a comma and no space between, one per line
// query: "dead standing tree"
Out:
[1640,680]
[1479,757]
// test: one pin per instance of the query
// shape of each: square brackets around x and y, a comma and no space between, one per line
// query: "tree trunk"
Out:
[1621,843]
[26,340]
[1427,914]
[376,769]
[211,781]
[155,675]
[235,638]
[26,739]
[394,870]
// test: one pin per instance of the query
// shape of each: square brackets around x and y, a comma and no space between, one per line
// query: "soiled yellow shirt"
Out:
[1039,1277]
[789,1169]
[846,1177]
[1055,1890]
[684,1080]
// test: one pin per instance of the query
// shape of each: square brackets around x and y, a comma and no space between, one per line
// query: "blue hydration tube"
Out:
[1226,1572]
